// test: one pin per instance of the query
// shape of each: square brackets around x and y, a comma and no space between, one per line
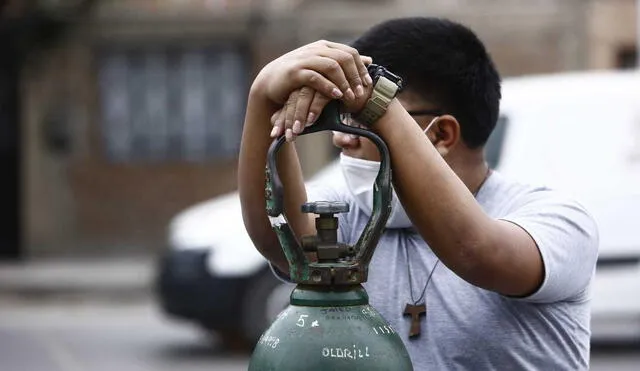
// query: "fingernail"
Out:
[274,131]
[297,127]
[288,134]
[353,136]
[359,91]
[349,94]
[311,118]
[368,79]
[336,93]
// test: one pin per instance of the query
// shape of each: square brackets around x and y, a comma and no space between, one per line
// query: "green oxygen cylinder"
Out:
[329,324]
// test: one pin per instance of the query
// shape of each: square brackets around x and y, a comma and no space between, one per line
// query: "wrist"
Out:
[386,87]
[384,125]
[259,87]
[258,95]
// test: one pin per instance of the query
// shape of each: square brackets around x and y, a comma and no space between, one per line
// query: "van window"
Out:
[493,148]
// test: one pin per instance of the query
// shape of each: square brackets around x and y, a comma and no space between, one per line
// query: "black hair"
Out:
[444,62]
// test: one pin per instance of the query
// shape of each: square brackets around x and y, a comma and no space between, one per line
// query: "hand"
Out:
[302,109]
[335,70]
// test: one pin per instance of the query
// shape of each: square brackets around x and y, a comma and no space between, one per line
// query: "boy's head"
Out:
[443,63]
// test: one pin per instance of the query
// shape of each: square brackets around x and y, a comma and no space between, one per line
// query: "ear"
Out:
[447,132]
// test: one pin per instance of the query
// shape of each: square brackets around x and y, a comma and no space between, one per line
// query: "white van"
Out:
[579,132]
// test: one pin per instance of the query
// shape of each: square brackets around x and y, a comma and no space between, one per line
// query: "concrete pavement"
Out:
[101,336]
[95,276]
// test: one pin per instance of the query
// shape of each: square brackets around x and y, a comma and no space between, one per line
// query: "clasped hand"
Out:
[303,81]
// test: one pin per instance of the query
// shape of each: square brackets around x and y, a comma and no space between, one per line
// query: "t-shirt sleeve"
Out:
[567,238]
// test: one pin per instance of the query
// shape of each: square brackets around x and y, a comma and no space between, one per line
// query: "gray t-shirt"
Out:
[469,328]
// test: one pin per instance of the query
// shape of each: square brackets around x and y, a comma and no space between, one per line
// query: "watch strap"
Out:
[383,93]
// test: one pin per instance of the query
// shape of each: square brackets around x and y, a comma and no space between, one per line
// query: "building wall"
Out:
[611,29]
[78,200]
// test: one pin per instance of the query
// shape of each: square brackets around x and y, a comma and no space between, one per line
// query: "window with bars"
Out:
[172,104]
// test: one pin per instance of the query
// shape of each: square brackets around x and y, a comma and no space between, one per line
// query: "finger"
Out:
[362,68]
[316,81]
[366,60]
[349,68]
[301,112]
[273,121]
[290,109]
[330,69]
[275,116]
[289,135]
[283,113]
[315,108]
[278,123]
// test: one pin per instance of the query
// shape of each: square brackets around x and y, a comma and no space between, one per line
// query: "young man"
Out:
[503,268]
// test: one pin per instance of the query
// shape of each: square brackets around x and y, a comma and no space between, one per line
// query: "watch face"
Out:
[375,71]
[393,77]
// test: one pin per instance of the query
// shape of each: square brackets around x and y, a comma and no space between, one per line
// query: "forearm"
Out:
[439,204]
[252,159]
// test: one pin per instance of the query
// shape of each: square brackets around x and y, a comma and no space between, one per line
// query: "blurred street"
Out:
[97,335]
[103,336]
[96,314]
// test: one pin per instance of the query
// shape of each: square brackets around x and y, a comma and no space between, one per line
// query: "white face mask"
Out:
[360,175]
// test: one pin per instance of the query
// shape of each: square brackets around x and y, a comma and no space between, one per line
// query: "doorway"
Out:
[10,196]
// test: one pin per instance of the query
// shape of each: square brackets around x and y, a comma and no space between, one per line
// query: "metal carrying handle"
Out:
[298,263]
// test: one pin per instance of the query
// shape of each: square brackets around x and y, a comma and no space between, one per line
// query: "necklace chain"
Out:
[424,290]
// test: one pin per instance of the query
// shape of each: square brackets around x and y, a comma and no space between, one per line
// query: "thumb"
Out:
[366,59]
